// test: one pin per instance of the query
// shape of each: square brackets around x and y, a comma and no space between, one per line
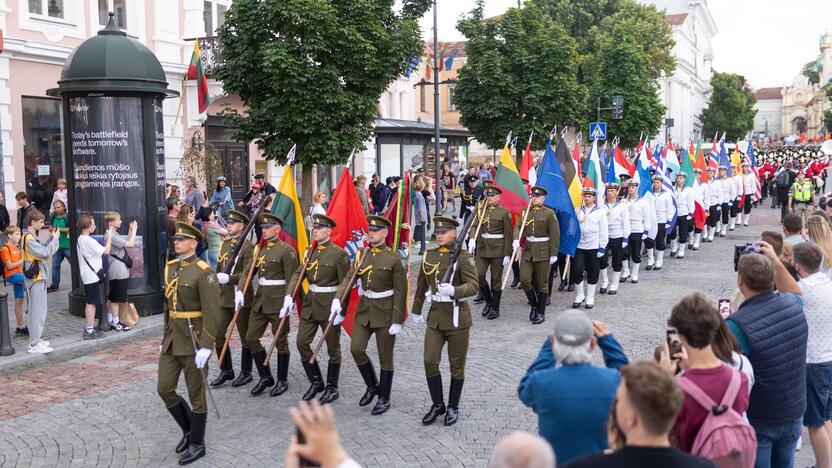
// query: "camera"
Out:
[740,250]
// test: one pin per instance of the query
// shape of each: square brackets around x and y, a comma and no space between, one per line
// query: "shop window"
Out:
[42,149]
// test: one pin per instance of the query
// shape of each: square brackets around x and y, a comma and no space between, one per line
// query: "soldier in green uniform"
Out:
[382,284]
[493,249]
[449,319]
[276,262]
[542,235]
[193,314]
[327,268]
[236,222]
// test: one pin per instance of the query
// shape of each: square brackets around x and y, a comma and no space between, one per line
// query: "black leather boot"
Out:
[383,403]
[370,379]
[552,274]
[244,376]
[494,312]
[266,379]
[182,415]
[540,314]
[515,278]
[486,293]
[436,395]
[532,297]
[196,447]
[316,381]
[282,375]
[480,298]
[562,285]
[226,369]
[333,371]
[453,399]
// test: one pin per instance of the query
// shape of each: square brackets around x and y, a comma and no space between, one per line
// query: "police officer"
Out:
[449,318]
[382,285]
[591,247]
[193,315]
[618,215]
[542,236]
[275,263]
[493,249]
[684,216]
[801,197]
[232,284]
[327,268]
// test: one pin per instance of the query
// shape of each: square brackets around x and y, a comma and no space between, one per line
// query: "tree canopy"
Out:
[730,108]
[810,71]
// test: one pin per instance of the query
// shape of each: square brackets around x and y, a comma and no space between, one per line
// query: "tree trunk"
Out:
[306,189]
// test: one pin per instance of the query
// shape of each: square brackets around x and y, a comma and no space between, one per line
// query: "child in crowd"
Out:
[213,234]
[60,194]
[118,272]
[13,273]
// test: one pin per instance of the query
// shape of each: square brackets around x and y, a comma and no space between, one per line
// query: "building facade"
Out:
[769,107]
[805,103]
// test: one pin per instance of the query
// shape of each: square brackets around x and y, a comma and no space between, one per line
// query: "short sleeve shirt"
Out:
[90,250]
[118,270]
[10,253]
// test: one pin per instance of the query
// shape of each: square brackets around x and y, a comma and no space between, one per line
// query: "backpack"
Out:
[782,179]
[725,438]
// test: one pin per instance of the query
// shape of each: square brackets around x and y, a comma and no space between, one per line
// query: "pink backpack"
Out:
[725,438]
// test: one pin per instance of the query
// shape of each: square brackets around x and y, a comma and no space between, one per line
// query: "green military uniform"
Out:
[276,262]
[493,245]
[449,320]
[326,268]
[236,280]
[383,287]
[193,306]
[542,236]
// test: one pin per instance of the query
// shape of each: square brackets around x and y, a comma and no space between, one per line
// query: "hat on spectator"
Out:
[573,328]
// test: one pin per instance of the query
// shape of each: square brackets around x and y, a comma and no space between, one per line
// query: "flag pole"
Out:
[520,236]
[179,107]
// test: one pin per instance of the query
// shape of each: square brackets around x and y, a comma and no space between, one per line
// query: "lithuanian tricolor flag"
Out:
[287,206]
[196,72]
[514,197]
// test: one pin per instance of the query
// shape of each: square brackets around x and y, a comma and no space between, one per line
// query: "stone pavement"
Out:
[102,409]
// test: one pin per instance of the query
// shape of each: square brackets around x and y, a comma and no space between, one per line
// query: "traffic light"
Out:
[617,113]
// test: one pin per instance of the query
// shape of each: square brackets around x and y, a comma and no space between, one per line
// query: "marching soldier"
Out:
[193,304]
[618,215]
[236,222]
[493,249]
[449,319]
[275,263]
[542,235]
[591,247]
[471,195]
[327,268]
[382,285]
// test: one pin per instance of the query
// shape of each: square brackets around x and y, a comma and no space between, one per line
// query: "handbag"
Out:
[128,314]
[126,259]
[34,267]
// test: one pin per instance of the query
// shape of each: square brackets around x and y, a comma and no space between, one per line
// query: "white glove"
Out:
[395,328]
[284,311]
[338,319]
[506,259]
[690,217]
[515,244]
[601,253]
[624,244]
[553,259]
[288,302]
[202,357]
[222,278]
[445,289]
[334,309]
[417,319]
[239,299]
[472,244]
[360,288]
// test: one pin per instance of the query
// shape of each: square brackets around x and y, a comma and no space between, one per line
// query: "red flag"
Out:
[196,72]
[526,169]
[398,238]
[350,231]
[576,155]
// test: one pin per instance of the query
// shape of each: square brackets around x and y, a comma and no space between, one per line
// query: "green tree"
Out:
[311,72]
[827,120]
[520,76]
[810,70]
[730,107]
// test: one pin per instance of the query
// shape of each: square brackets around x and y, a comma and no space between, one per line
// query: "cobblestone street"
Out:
[102,409]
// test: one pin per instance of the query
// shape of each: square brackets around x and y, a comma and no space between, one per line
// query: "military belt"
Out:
[322,289]
[268,282]
[537,239]
[492,236]
[441,298]
[378,294]
[175,314]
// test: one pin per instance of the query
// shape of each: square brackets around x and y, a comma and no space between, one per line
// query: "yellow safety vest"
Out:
[802,192]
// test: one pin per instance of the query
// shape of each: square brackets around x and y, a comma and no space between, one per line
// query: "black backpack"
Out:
[782,179]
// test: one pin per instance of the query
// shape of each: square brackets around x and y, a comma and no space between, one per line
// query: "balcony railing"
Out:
[210,48]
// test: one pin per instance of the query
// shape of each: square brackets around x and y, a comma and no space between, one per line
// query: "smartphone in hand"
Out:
[674,344]
[724,308]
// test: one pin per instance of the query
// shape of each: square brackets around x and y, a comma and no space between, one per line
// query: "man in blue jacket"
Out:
[573,398]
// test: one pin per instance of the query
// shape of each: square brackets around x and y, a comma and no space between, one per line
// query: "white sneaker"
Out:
[45,342]
[799,445]
[40,348]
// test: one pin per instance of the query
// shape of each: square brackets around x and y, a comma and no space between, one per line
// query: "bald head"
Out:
[522,450]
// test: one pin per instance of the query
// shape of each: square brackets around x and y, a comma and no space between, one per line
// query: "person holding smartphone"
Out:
[92,271]
[118,271]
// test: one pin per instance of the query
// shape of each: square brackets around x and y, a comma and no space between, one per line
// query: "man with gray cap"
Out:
[573,399]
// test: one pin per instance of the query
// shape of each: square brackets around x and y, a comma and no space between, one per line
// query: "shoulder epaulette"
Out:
[174,261]
[202,265]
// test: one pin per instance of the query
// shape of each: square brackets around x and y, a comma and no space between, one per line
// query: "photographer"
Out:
[119,270]
[35,256]
[91,268]
[772,332]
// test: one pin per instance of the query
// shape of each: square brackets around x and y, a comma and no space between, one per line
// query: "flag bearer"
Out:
[493,249]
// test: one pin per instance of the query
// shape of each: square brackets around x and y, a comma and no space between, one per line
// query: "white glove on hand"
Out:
[506,259]
[222,278]
[202,357]
[335,308]
[239,299]
[690,217]
[601,253]
[553,259]
[445,289]
[624,244]
[472,244]
[417,319]
[284,311]
[395,328]
[338,319]
[515,244]
[288,302]
[360,288]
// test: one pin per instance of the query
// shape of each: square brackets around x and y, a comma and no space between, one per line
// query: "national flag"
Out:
[441,61]
[621,164]
[736,159]
[556,182]
[569,172]
[594,175]
[515,198]
[642,172]
[412,64]
[723,158]
[349,233]
[399,238]
[287,205]
[428,65]
[449,62]
[699,161]
[752,160]
[197,72]
[668,185]
[527,170]
[576,160]
[687,168]
[671,160]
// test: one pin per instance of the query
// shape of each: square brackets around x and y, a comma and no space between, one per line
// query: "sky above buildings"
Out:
[767,41]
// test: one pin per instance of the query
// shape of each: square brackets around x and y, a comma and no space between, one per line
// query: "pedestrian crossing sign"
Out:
[597,130]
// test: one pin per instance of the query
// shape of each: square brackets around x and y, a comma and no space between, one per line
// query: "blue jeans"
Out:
[212,258]
[57,260]
[776,443]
